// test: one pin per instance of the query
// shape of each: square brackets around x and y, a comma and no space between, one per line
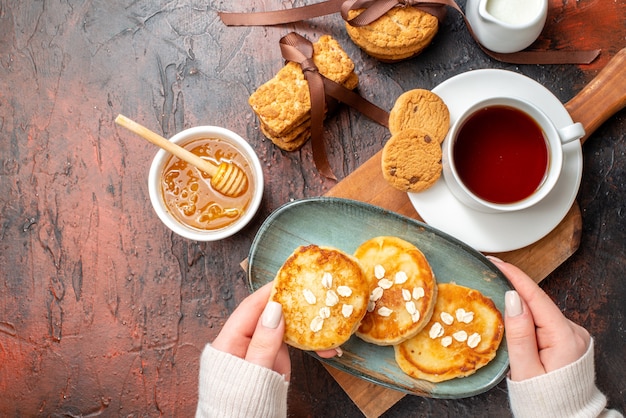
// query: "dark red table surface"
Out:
[104,311]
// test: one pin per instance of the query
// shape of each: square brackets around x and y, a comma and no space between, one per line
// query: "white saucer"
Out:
[501,232]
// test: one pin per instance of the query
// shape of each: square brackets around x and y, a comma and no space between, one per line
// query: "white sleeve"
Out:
[568,392]
[232,387]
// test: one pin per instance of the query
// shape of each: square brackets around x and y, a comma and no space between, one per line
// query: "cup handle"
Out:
[571,132]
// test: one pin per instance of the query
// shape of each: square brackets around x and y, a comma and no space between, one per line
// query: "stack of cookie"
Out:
[401,33]
[419,122]
[283,104]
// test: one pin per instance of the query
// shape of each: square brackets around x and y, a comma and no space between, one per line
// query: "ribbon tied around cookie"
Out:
[298,49]
[374,9]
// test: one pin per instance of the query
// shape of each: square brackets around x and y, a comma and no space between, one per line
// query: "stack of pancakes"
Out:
[283,104]
[386,294]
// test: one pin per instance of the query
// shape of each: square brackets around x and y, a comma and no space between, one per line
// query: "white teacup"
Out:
[506,26]
[504,154]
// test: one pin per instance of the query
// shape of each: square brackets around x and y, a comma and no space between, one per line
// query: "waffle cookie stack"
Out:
[283,104]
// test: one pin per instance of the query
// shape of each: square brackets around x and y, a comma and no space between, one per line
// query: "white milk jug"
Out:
[506,26]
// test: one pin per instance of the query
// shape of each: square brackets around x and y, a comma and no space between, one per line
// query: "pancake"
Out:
[403,290]
[324,296]
[462,336]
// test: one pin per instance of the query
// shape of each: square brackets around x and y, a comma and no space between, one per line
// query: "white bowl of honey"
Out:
[182,195]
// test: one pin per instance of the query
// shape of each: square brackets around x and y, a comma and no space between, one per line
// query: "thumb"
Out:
[267,339]
[521,339]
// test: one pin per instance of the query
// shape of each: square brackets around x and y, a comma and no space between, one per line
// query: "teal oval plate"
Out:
[345,224]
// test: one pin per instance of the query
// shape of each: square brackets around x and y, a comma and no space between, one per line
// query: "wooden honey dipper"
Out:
[227,178]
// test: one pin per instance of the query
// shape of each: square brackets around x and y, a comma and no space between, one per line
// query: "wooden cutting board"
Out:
[601,98]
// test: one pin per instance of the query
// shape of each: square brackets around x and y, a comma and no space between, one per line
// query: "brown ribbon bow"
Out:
[298,49]
[374,9]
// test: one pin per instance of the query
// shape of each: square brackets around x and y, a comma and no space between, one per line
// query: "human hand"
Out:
[255,331]
[539,337]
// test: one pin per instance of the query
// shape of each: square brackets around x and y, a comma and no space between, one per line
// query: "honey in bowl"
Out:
[187,191]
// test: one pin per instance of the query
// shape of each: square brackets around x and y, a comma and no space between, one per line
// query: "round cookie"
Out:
[324,296]
[421,109]
[403,290]
[401,33]
[411,160]
[463,335]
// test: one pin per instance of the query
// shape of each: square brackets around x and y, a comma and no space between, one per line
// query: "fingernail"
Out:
[272,314]
[494,259]
[339,351]
[512,304]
